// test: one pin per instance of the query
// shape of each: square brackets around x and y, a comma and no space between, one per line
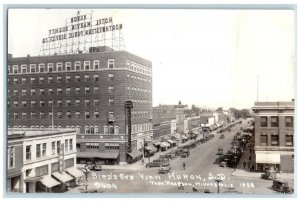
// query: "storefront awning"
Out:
[101,155]
[157,143]
[48,181]
[171,141]
[135,154]
[184,137]
[151,148]
[270,158]
[195,132]
[33,179]
[63,177]
[74,172]
[165,144]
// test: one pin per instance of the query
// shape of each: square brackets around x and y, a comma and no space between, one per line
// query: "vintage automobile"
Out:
[220,151]
[222,136]
[168,156]
[282,186]
[268,175]
[93,166]
[184,155]
[164,169]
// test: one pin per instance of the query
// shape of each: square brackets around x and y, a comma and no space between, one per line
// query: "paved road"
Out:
[201,172]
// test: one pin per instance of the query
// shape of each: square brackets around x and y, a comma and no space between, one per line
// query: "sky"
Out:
[210,58]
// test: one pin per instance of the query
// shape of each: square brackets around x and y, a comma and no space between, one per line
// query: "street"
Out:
[201,172]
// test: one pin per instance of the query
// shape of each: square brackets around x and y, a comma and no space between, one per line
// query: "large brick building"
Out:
[86,92]
[274,136]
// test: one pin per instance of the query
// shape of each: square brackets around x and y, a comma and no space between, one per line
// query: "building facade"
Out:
[86,92]
[274,136]
[41,160]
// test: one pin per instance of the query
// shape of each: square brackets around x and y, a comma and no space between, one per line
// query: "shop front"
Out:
[267,161]
[134,156]
[105,158]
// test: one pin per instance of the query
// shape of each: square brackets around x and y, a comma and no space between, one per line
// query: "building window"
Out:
[50,67]
[111,102]
[111,146]
[42,67]
[110,77]
[96,130]
[41,80]
[96,90]
[59,115]
[38,150]
[77,90]
[68,91]
[96,64]
[92,145]
[111,130]
[15,69]
[28,152]
[68,79]
[24,103]
[59,91]
[87,78]
[69,115]
[32,80]
[42,91]
[50,115]
[111,115]
[53,147]
[41,171]
[11,157]
[42,103]
[71,145]
[77,115]
[289,122]
[77,78]
[87,130]
[59,103]
[66,145]
[15,80]
[77,103]
[87,115]
[15,92]
[24,115]
[24,80]
[50,79]
[16,104]
[96,78]
[96,114]
[24,92]
[58,147]
[116,130]
[68,66]
[33,114]
[87,90]
[111,89]
[77,65]
[32,92]
[44,149]
[110,64]
[96,102]
[42,115]
[289,140]
[68,103]
[274,140]
[128,64]
[59,79]
[274,121]
[87,103]
[32,68]
[58,67]
[105,129]
[24,68]
[50,91]
[263,140]
[87,65]
[263,121]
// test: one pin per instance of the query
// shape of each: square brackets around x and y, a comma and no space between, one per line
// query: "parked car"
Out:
[220,151]
[184,155]
[168,156]
[93,166]
[164,169]
[222,136]
[268,175]
[282,186]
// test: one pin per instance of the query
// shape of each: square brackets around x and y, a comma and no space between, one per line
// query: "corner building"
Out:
[86,92]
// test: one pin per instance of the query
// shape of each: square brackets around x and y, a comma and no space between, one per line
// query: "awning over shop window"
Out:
[270,158]
[135,154]
[195,132]
[63,177]
[171,141]
[101,155]
[165,144]
[157,143]
[74,172]
[151,148]
[184,137]
[49,182]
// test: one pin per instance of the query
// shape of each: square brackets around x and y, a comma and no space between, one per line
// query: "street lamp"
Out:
[218,182]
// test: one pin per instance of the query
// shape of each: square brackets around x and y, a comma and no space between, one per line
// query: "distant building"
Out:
[41,160]
[180,108]
[163,113]
[274,136]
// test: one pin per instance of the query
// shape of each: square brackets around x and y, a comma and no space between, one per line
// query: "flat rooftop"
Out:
[31,132]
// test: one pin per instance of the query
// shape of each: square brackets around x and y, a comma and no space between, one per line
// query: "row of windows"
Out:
[107,145]
[59,79]
[59,115]
[275,121]
[289,140]
[77,66]
[41,149]
[137,78]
